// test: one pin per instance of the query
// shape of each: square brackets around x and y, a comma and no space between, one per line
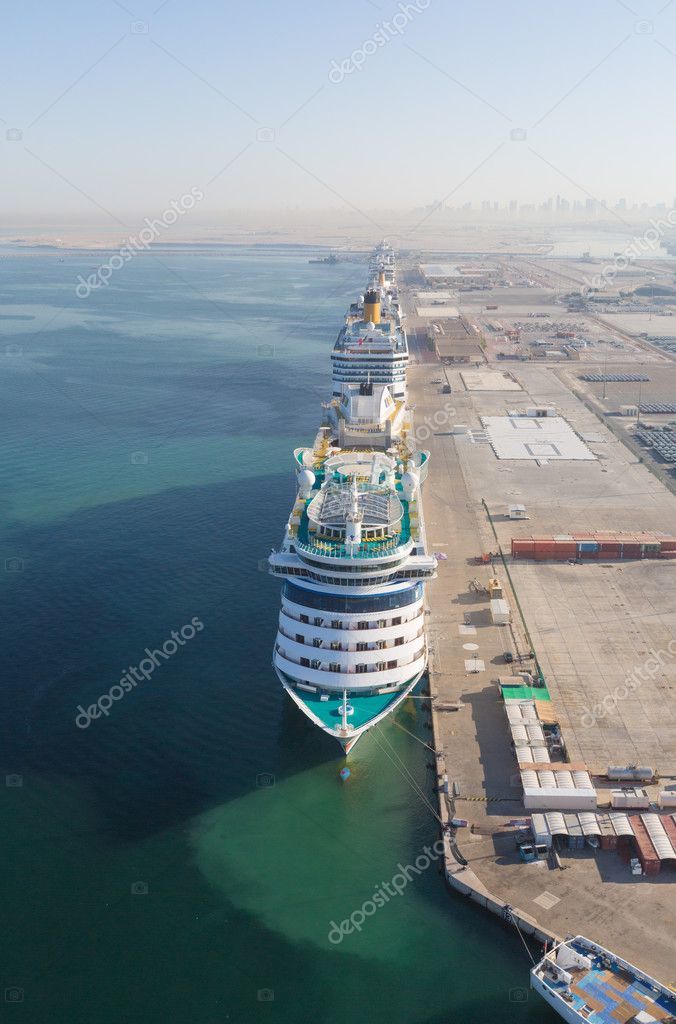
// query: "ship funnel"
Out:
[372,306]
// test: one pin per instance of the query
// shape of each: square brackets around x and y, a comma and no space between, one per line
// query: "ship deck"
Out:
[364,708]
[609,994]
[377,548]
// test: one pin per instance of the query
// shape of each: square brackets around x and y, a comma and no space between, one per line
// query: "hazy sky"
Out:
[131,104]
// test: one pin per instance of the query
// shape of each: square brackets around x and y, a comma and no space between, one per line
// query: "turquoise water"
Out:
[182,857]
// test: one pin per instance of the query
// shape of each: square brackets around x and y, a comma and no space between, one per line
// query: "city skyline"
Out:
[122,109]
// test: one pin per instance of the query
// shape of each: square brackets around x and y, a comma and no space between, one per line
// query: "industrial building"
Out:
[456,276]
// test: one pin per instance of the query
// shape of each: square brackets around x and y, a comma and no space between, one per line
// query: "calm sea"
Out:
[182,857]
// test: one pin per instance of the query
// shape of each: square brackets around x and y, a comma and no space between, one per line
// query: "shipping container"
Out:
[632,550]
[636,798]
[669,827]
[608,840]
[588,545]
[500,612]
[645,850]
[608,550]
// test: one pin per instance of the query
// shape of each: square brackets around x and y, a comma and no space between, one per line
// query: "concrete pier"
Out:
[589,625]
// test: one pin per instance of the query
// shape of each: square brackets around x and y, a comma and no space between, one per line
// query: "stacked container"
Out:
[603,546]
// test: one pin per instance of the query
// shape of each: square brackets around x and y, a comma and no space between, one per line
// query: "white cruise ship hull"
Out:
[348,740]
[351,642]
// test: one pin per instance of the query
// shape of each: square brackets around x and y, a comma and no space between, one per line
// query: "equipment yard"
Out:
[602,631]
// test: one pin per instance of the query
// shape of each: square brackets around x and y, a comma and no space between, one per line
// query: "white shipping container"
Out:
[629,798]
[559,799]
[500,612]
[667,798]
[541,833]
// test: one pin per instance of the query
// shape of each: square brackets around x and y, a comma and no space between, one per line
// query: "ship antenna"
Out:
[344,709]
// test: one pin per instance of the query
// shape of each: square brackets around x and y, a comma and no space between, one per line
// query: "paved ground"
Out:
[590,625]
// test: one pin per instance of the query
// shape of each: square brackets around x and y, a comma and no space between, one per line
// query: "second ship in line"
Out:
[351,642]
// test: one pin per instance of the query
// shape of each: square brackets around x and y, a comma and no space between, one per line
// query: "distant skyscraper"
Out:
[513,206]
[622,204]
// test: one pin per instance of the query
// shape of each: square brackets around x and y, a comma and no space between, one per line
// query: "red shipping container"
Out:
[668,544]
[645,850]
[632,551]
[667,554]
[567,545]
[669,828]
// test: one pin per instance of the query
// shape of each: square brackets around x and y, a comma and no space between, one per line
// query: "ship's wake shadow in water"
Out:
[212,721]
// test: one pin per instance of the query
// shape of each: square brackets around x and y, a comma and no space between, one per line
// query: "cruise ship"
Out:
[583,981]
[372,345]
[351,641]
